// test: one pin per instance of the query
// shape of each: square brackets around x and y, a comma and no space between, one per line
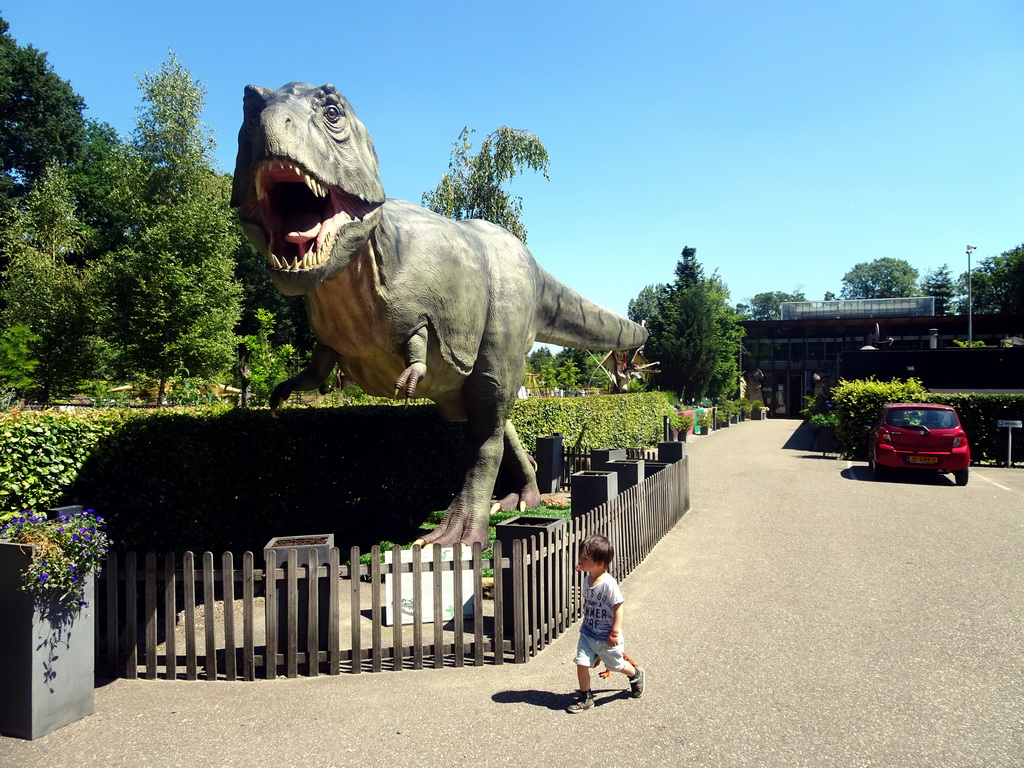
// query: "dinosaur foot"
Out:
[457,526]
[450,538]
[528,498]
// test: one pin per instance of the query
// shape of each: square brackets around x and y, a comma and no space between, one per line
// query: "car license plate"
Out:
[922,459]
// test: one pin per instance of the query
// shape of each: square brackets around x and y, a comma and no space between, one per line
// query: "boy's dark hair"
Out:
[598,549]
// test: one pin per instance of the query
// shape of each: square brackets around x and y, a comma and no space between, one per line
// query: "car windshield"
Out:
[908,418]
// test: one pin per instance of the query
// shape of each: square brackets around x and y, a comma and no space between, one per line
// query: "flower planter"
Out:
[46,654]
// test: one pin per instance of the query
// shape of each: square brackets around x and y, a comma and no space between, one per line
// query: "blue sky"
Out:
[786,141]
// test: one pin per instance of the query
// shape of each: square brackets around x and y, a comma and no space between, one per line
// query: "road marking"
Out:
[997,485]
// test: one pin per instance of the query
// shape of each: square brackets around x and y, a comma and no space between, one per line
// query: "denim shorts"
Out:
[588,651]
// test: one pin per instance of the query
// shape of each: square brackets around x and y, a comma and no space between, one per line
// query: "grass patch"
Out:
[546,509]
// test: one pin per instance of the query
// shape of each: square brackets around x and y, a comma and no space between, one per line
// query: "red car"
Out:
[919,436]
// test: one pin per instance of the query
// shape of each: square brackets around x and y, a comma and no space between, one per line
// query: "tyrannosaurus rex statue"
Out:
[407,302]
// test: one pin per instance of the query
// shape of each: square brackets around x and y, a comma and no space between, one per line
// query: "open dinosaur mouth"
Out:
[300,214]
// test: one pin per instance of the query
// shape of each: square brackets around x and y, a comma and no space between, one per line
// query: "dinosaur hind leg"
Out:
[468,515]
[518,474]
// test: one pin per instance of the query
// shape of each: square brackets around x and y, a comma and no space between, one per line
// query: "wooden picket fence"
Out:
[215,620]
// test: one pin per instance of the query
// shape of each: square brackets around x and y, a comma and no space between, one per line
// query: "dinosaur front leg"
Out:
[321,362]
[416,364]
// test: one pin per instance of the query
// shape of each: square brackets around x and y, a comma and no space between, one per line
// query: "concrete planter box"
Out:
[46,655]
[322,543]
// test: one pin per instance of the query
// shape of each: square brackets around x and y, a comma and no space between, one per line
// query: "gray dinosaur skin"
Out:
[407,302]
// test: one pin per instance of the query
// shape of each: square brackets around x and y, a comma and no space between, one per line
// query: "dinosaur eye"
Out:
[332,113]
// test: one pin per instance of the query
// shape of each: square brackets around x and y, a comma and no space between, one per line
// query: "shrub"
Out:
[857,405]
[216,478]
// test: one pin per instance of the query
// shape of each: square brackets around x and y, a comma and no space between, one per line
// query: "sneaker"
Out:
[636,683]
[581,703]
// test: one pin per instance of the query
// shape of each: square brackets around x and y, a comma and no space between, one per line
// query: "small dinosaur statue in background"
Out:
[407,302]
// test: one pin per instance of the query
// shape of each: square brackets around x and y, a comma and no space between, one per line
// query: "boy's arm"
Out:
[613,636]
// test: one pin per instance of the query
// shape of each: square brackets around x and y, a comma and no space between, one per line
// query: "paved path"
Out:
[800,615]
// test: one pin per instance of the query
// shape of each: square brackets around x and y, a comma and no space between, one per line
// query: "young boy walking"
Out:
[601,631]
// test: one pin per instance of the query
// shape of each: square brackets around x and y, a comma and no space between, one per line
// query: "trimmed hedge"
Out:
[229,479]
[607,421]
[857,405]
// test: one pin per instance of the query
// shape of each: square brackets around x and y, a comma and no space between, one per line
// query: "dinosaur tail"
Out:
[567,319]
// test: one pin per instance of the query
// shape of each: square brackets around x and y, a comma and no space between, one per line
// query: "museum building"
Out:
[816,343]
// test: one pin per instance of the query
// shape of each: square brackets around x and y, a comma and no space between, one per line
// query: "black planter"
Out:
[522,527]
[46,654]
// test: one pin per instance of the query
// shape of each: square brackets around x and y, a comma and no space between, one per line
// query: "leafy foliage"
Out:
[696,335]
[365,472]
[768,305]
[997,284]
[42,117]
[267,364]
[939,284]
[884,278]
[612,421]
[16,361]
[858,403]
[171,287]
[41,453]
[472,187]
[67,551]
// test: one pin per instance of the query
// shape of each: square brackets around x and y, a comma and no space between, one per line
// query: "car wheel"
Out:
[961,476]
[878,472]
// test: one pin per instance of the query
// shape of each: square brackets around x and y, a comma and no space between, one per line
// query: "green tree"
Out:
[939,284]
[647,302]
[41,120]
[997,284]
[46,293]
[472,188]
[171,288]
[94,181]
[696,335]
[267,363]
[768,305]
[16,361]
[537,358]
[884,278]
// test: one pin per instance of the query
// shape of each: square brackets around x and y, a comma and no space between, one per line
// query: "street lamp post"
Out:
[970,301]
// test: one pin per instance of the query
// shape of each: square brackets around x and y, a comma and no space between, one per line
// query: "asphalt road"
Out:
[800,615]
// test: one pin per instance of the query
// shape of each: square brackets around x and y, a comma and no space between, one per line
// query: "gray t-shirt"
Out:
[597,607]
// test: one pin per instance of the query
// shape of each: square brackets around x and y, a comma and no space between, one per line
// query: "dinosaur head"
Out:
[307,184]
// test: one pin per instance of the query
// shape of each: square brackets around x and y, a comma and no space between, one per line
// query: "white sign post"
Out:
[1010,425]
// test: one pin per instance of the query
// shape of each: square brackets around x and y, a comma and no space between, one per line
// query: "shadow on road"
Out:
[802,438]
[908,477]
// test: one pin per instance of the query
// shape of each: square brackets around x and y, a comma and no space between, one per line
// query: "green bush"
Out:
[208,478]
[606,421]
[858,403]
[41,453]
[980,414]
